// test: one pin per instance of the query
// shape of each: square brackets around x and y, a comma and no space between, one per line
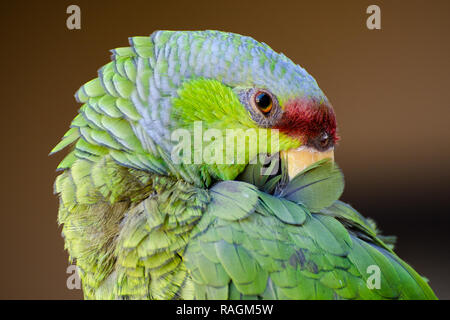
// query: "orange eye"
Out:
[263,101]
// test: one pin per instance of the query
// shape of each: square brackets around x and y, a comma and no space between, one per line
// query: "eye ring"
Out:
[263,102]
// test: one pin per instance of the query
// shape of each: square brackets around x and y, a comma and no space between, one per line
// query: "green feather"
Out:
[70,137]
[244,194]
[322,178]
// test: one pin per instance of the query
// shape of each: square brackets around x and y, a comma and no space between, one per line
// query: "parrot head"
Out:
[230,85]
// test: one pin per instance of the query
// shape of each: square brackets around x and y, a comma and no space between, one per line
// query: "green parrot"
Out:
[256,217]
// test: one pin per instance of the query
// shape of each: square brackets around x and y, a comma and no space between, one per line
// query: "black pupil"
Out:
[263,100]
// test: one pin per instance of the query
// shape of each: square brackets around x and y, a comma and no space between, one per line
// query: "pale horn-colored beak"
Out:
[299,159]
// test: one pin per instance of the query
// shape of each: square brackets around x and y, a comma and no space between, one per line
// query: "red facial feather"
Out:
[304,118]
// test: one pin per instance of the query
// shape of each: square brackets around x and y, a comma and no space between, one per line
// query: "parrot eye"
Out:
[263,101]
[262,105]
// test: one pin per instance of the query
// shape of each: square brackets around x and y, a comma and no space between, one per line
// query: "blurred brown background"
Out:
[389,87]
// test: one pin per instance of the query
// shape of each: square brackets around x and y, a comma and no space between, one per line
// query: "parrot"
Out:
[141,220]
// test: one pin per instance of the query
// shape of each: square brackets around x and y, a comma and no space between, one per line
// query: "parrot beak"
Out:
[299,159]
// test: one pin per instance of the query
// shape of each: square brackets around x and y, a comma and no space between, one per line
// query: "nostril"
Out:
[321,142]
[309,120]
[324,140]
